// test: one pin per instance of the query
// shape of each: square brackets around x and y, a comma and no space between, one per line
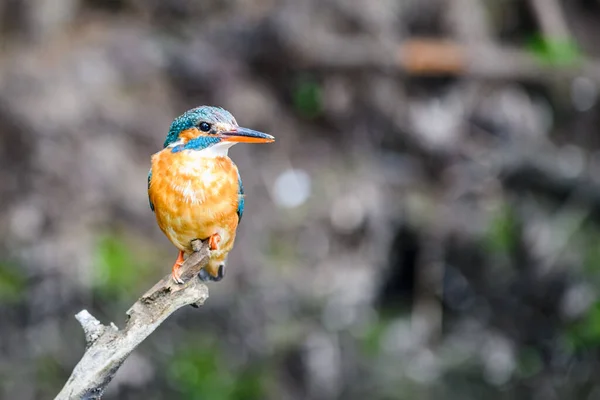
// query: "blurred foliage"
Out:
[199,371]
[591,251]
[502,234]
[281,251]
[529,363]
[88,91]
[555,51]
[585,334]
[307,97]
[12,284]
[118,269]
[370,341]
[48,373]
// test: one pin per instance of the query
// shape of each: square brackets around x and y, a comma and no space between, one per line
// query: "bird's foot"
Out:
[175,274]
[205,276]
[213,241]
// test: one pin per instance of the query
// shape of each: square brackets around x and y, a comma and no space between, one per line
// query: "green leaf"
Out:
[586,333]
[555,51]
[502,231]
[117,269]
[12,284]
[370,342]
[307,98]
[199,372]
[250,385]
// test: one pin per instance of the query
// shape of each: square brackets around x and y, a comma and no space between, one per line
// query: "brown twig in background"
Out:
[430,56]
[427,56]
[108,347]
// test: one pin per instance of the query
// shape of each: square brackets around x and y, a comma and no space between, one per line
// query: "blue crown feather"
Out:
[193,117]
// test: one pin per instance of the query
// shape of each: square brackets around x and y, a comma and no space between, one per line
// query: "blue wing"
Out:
[149,179]
[240,209]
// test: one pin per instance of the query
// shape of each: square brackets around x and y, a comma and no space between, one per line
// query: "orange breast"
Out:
[195,197]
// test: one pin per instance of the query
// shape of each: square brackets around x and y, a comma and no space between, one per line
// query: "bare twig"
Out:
[469,21]
[108,347]
[325,49]
[551,18]
[425,56]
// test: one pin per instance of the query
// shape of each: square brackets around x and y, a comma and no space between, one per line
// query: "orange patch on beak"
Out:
[245,135]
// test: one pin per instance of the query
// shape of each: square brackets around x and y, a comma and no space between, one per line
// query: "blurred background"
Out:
[425,227]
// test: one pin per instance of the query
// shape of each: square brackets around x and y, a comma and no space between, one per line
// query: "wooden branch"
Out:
[433,57]
[108,347]
[421,56]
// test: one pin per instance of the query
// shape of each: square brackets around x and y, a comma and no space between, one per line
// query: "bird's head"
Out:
[206,127]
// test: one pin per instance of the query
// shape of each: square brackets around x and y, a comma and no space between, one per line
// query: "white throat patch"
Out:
[217,150]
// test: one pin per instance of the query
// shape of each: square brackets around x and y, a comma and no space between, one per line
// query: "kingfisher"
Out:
[195,189]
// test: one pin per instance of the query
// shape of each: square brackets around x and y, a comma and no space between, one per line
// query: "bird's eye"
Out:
[204,126]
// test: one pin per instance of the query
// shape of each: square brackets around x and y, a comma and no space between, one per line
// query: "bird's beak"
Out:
[245,135]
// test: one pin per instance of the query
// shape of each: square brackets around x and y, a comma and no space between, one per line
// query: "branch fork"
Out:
[108,347]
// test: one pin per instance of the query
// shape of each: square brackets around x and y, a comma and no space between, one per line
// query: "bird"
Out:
[195,190]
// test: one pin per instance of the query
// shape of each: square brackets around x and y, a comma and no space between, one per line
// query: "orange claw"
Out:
[214,241]
[175,271]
